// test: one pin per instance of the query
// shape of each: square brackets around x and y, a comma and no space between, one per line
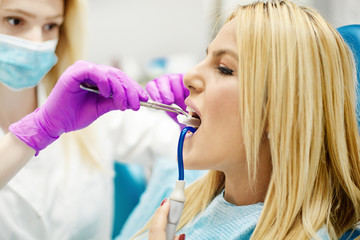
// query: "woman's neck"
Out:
[239,190]
[15,105]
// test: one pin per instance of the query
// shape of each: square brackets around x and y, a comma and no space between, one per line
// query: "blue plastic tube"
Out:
[180,150]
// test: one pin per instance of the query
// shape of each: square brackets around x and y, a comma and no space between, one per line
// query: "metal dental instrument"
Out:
[149,104]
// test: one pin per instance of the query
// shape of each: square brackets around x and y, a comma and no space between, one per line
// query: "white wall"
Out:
[129,33]
[339,12]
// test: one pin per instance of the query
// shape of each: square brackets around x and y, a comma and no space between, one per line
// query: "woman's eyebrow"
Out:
[19,11]
[220,52]
[60,17]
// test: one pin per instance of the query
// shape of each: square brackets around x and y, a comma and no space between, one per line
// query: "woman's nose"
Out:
[34,34]
[194,79]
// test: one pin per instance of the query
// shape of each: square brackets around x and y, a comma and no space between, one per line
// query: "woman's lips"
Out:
[189,134]
[192,107]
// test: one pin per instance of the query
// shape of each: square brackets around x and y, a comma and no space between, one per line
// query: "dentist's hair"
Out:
[70,47]
[297,84]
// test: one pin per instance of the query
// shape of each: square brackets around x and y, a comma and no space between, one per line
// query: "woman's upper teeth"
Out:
[192,112]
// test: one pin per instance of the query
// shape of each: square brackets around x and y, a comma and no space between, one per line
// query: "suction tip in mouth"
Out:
[189,121]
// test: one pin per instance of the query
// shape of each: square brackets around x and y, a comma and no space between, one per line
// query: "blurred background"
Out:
[146,38]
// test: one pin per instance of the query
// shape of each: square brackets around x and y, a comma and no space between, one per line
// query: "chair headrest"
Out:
[351,35]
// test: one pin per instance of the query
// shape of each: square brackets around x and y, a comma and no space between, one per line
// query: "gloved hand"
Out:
[169,89]
[69,108]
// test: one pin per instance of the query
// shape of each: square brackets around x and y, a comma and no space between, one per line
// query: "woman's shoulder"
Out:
[323,234]
[223,220]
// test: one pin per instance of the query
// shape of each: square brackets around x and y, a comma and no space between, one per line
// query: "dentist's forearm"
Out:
[14,154]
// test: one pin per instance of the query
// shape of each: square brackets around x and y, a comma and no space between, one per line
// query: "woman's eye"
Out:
[51,26]
[13,21]
[225,71]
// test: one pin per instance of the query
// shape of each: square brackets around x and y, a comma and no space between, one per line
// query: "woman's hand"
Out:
[158,224]
[169,89]
[69,108]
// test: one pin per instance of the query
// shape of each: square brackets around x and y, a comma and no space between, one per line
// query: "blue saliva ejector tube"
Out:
[177,197]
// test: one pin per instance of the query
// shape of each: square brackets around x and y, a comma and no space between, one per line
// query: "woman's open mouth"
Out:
[195,120]
[192,120]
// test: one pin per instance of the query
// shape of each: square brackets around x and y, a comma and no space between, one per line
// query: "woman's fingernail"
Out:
[182,237]
[163,201]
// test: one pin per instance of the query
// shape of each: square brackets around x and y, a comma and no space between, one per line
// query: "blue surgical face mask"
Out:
[24,63]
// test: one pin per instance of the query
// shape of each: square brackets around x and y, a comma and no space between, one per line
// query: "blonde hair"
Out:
[296,82]
[70,48]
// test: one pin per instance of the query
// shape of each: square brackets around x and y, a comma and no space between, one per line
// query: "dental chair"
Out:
[351,35]
[130,182]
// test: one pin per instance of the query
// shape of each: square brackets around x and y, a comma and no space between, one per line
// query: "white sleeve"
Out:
[142,136]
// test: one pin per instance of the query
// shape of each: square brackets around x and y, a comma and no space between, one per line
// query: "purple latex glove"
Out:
[69,108]
[169,89]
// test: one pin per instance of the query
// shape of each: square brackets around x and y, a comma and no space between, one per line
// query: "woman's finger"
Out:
[158,223]
[180,237]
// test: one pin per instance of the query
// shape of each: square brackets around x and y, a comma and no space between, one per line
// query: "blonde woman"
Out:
[66,191]
[276,99]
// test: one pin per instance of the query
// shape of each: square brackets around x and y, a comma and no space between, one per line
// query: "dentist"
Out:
[66,191]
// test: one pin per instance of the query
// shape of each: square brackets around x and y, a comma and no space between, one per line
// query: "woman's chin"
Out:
[188,162]
[193,164]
